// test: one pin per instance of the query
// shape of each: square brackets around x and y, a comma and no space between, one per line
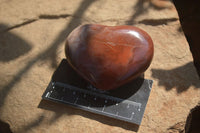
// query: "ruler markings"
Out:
[93,101]
[99,95]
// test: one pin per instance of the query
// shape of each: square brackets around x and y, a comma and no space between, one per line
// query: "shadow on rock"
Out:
[143,6]
[12,46]
[4,127]
[32,124]
[181,77]
[48,54]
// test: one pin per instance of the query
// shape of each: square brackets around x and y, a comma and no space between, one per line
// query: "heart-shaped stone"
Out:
[109,56]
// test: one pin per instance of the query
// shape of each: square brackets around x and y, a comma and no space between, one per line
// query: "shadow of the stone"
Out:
[65,74]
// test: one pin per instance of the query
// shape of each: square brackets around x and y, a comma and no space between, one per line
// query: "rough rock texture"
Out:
[32,35]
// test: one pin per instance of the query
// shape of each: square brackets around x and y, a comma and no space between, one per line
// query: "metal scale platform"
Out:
[126,103]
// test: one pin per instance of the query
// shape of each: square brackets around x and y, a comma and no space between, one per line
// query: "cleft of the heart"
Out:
[109,56]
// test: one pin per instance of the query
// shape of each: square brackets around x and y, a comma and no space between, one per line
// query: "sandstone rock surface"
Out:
[32,37]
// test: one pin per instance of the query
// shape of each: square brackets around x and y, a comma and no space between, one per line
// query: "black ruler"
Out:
[126,103]
[100,103]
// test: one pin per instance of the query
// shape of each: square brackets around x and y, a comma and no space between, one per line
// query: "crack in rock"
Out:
[156,22]
[153,22]
[47,16]
[29,21]
[178,127]
[19,25]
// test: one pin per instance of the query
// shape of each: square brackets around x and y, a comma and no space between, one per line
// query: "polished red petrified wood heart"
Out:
[109,56]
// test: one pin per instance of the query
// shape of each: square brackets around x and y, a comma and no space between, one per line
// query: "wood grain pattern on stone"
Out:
[109,56]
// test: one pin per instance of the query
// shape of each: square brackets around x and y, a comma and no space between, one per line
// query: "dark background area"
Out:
[189,14]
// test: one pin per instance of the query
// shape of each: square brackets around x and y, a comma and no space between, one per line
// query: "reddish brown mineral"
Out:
[109,56]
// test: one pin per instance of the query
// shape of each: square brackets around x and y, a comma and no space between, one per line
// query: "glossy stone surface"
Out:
[109,56]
